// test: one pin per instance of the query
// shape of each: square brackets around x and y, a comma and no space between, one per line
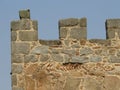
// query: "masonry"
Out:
[70,63]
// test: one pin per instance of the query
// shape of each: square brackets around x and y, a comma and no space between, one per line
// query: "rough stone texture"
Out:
[68,22]
[13,36]
[14,80]
[28,35]
[50,42]
[78,59]
[21,25]
[40,50]
[17,58]
[20,48]
[24,14]
[78,33]
[71,63]
[30,58]
[63,33]
[17,69]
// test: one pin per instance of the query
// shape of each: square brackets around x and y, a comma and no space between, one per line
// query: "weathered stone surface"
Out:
[68,22]
[110,34]
[30,58]
[20,48]
[78,33]
[92,84]
[79,59]
[21,25]
[17,69]
[14,80]
[13,36]
[16,58]
[69,52]
[30,84]
[113,23]
[94,58]
[50,42]
[63,32]
[114,59]
[101,41]
[17,88]
[28,35]
[24,14]
[85,51]
[35,24]
[112,83]
[44,58]
[83,22]
[72,83]
[57,57]
[40,50]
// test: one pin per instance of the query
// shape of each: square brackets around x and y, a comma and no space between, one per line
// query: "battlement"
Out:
[70,63]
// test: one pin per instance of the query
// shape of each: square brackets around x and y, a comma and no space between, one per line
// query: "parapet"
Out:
[70,63]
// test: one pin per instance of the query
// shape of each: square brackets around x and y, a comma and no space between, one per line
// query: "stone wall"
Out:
[70,63]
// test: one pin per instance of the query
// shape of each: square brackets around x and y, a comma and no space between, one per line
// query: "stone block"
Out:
[110,34]
[69,52]
[83,22]
[112,23]
[50,42]
[44,58]
[40,50]
[79,59]
[14,80]
[21,25]
[68,22]
[30,58]
[114,59]
[93,84]
[35,24]
[72,83]
[112,83]
[101,41]
[94,58]
[28,35]
[86,51]
[20,48]
[63,32]
[57,57]
[78,33]
[24,14]
[17,69]
[13,36]
[16,58]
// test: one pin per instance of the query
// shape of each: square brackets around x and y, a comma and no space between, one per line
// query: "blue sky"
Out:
[48,12]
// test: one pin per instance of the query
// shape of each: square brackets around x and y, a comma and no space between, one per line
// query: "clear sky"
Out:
[48,12]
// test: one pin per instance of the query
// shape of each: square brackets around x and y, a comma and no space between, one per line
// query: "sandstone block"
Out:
[50,42]
[114,59]
[20,48]
[17,58]
[40,50]
[30,58]
[78,33]
[24,14]
[35,24]
[63,32]
[44,58]
[14,80]
[85,51]
[17,69]
[68,22]
[94,58]
[79,59]
[21,25]
[17,88]
[57,57]
[83,22]
[13,36]
[28,35]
